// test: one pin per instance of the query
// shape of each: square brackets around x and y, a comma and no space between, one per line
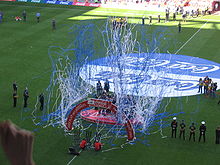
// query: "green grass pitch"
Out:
[24,58]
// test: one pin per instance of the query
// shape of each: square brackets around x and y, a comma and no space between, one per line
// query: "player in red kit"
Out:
[83,144]
[97,146]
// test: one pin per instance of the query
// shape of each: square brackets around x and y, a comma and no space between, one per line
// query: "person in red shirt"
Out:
[97,146]
[83,144]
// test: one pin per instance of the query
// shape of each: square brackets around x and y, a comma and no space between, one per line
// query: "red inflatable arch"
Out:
[97,103]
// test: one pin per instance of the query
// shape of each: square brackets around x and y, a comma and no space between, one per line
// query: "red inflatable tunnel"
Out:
[97,103]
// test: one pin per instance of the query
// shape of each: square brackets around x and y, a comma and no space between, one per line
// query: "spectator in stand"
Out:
[16,143]
[216,6]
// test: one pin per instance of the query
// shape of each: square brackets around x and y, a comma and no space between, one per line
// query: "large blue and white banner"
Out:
[171,75]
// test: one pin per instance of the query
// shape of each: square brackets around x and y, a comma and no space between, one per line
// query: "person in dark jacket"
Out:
[192,129]
[202,130]
[41,100]
[179,27]
[143,20]
[182,129]
[174,125]
[15,87]
[24,14]
[158,18]
[53,24]
[26,96]
[15,97]
[217,141]
[106,86]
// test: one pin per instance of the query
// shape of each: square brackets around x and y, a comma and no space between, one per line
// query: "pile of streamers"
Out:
[73,81]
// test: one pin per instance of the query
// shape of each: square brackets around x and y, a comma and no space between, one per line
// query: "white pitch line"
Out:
[191,37]
[73,158]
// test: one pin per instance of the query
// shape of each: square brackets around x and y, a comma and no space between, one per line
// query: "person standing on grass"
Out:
[174,125]
[179,27]
[174,16]
[217,141]
[150,20]
[202,130]
[215,86]
[143,20]
[38,17]
[98,146]
[106,86]
[205,84]
[24,14]
[41,100]
[200,85]
[158,18]
[99,88]
[114,23]
[15,87]
[15,96]
[167,15]
[184,16]
[182,130]
[192,129]
[83,143]
[53,24]
[26,96]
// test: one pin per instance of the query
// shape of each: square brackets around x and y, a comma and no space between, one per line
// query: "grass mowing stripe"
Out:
[190,38]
